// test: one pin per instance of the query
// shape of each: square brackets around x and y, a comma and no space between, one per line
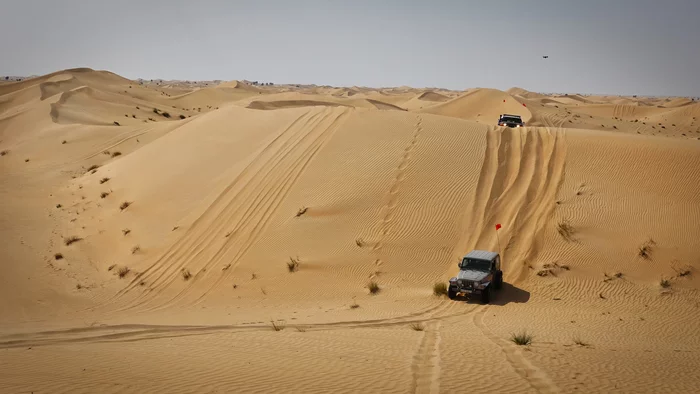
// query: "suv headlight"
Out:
[477,284]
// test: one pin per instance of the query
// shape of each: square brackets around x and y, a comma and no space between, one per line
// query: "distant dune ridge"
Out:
[288,237]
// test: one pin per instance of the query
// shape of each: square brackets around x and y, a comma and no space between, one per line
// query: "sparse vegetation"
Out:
[566,230]
[58,205]
[580,342]
[293,264]
[277,325]
[665,283]
[64,142]
[302,211]
[373,287]
[126,231]
[253,276]
[166,114]
[4,152]
[71,240]
[417,327]
[186,275]
[183,117]
[646,248]
[301,329]
[123,271]
[103,180]
[440,289]
[354,305]
[124,205]
[521,339]
[115,154]
[360,242]
[92,167]
[135,249]
[156,111]
[104,194]
[116,123]
[58,256]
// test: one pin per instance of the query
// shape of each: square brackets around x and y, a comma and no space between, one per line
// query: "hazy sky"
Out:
[595,46]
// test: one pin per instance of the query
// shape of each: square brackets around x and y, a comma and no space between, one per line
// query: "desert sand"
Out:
[148,228]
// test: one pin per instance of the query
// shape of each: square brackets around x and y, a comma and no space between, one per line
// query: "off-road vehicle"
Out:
[510,120]
[479,274]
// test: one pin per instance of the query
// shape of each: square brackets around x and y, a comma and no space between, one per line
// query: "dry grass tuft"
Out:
[186,275]
[71,240]
[521,339]
[646,248]
[135,249]
[580,342]
[115,154]
[566,230]
[302,211]
[126,231]
[104,194]
[440,289]
[123,271]
[277,325]
[293,264]
[665,283]
[58,256]
[92,167]
[373,287]
[103,180]
[301,329]
[124,205]
[417,327]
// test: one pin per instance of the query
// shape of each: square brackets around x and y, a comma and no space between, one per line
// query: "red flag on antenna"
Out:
[498,226]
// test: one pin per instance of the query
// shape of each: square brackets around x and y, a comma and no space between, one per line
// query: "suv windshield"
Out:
[508,119]
[477,265]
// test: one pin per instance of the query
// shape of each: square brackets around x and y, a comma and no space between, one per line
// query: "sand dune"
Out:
[187,231]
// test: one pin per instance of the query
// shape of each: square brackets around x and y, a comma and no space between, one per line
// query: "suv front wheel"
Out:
[486,295]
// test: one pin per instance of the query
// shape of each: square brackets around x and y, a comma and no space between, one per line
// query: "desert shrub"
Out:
[302,211]
[115,154]
[646,248]
[417,327]
[124,205]
[103,180]
[104,194]
[116,123]
[123,271]
[58,256]
[71,240]
[565,229]
[92,167]
[522,339]
[293,264]
[135,249]
[186,275]
[183,117]
[440,289]
[277,325]
[373,287]
[166,114]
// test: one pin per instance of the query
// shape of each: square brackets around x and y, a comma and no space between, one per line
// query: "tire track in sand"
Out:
[534,376]
[241,211]
[517,187]
[426,362]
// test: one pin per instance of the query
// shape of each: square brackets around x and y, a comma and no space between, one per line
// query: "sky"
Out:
[626,47]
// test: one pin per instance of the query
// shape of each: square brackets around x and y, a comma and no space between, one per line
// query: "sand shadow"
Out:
[506,295]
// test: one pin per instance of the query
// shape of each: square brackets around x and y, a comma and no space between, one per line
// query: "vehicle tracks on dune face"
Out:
[535,377]
[222,235]
[517,188]
[393,194]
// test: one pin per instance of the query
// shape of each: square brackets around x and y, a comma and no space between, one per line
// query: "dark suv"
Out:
[510,121]
[479,274]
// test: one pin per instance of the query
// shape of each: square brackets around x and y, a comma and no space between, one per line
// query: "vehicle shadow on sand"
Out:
[506,295]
